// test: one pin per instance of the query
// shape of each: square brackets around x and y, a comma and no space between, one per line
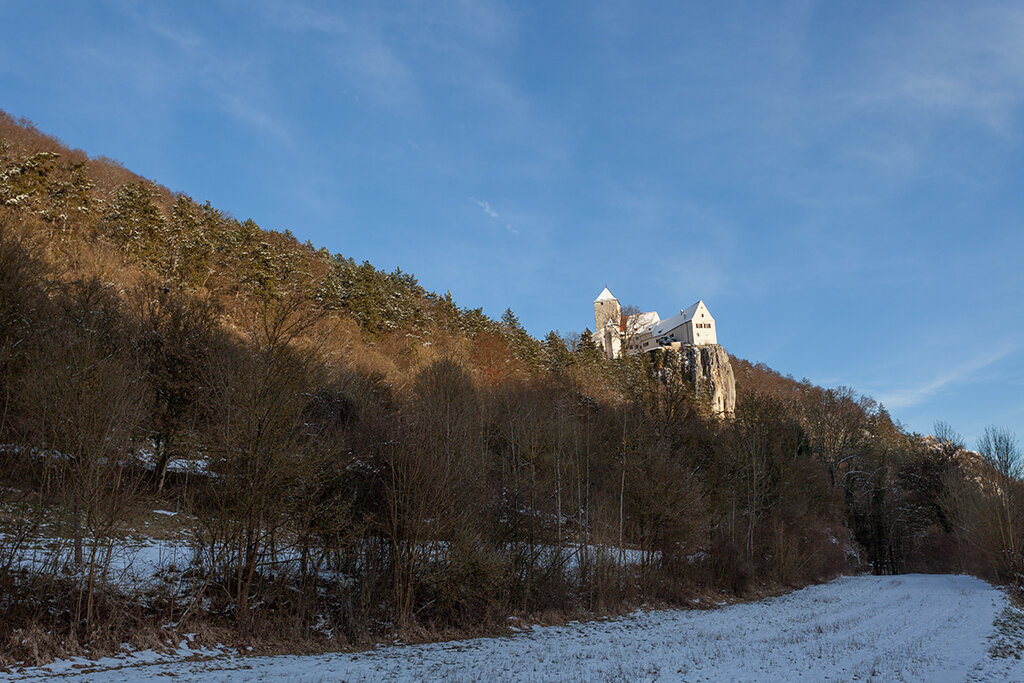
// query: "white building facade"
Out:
[617,334]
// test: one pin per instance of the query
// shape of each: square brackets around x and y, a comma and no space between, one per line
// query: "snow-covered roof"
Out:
[640,322]
[669,324]
[605,295]
[690,310]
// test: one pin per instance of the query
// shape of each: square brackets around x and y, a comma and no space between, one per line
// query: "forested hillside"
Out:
[347,457]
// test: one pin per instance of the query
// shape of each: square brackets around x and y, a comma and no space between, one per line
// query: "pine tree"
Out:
[525,347]
[70,204]
[135,224]
[556,353]
[587,350]
[24,181]
[189,245]
[510,321]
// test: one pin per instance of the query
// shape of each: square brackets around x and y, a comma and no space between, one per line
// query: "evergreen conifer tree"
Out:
[134,222]
[556,353]
[587,350]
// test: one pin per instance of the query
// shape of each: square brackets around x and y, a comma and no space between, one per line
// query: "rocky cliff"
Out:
[707,370]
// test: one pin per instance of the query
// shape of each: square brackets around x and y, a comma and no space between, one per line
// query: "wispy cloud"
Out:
[228,77]
[967,60]
[249,110]
[906,397]
[356,46]
[486,206]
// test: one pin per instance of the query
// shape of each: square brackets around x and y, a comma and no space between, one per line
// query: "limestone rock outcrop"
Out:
[707,370]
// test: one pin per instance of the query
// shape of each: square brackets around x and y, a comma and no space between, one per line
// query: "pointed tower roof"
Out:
[605,295]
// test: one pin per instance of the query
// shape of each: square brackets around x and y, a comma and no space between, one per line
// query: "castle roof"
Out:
[639,322]
[669,324]
[688,312]
[605,295]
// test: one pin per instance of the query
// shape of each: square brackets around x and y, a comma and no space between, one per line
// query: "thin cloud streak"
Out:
[486,208]
[911,396]
[229,78]
[967,61]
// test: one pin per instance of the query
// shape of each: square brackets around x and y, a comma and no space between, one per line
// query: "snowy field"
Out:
[904,628]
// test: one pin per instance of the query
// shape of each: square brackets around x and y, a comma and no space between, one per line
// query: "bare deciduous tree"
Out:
[998,446]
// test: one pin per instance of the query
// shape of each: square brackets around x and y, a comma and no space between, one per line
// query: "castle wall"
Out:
[702,327]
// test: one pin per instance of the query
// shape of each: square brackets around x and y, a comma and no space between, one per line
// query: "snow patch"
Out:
[912,628]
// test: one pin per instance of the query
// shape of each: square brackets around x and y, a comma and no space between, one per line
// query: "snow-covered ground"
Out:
[903,628]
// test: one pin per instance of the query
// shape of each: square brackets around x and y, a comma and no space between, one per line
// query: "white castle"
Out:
[620,335]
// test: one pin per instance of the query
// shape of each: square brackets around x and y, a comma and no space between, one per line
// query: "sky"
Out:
[841,183]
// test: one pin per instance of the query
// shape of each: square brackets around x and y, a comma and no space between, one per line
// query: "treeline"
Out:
[361,458]
[81,202]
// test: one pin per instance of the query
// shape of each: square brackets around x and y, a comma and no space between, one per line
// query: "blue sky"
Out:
[840,182]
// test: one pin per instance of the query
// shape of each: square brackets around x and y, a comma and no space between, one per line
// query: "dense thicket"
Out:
[361,457]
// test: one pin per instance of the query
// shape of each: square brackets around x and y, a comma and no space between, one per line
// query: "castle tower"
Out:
[607,319]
